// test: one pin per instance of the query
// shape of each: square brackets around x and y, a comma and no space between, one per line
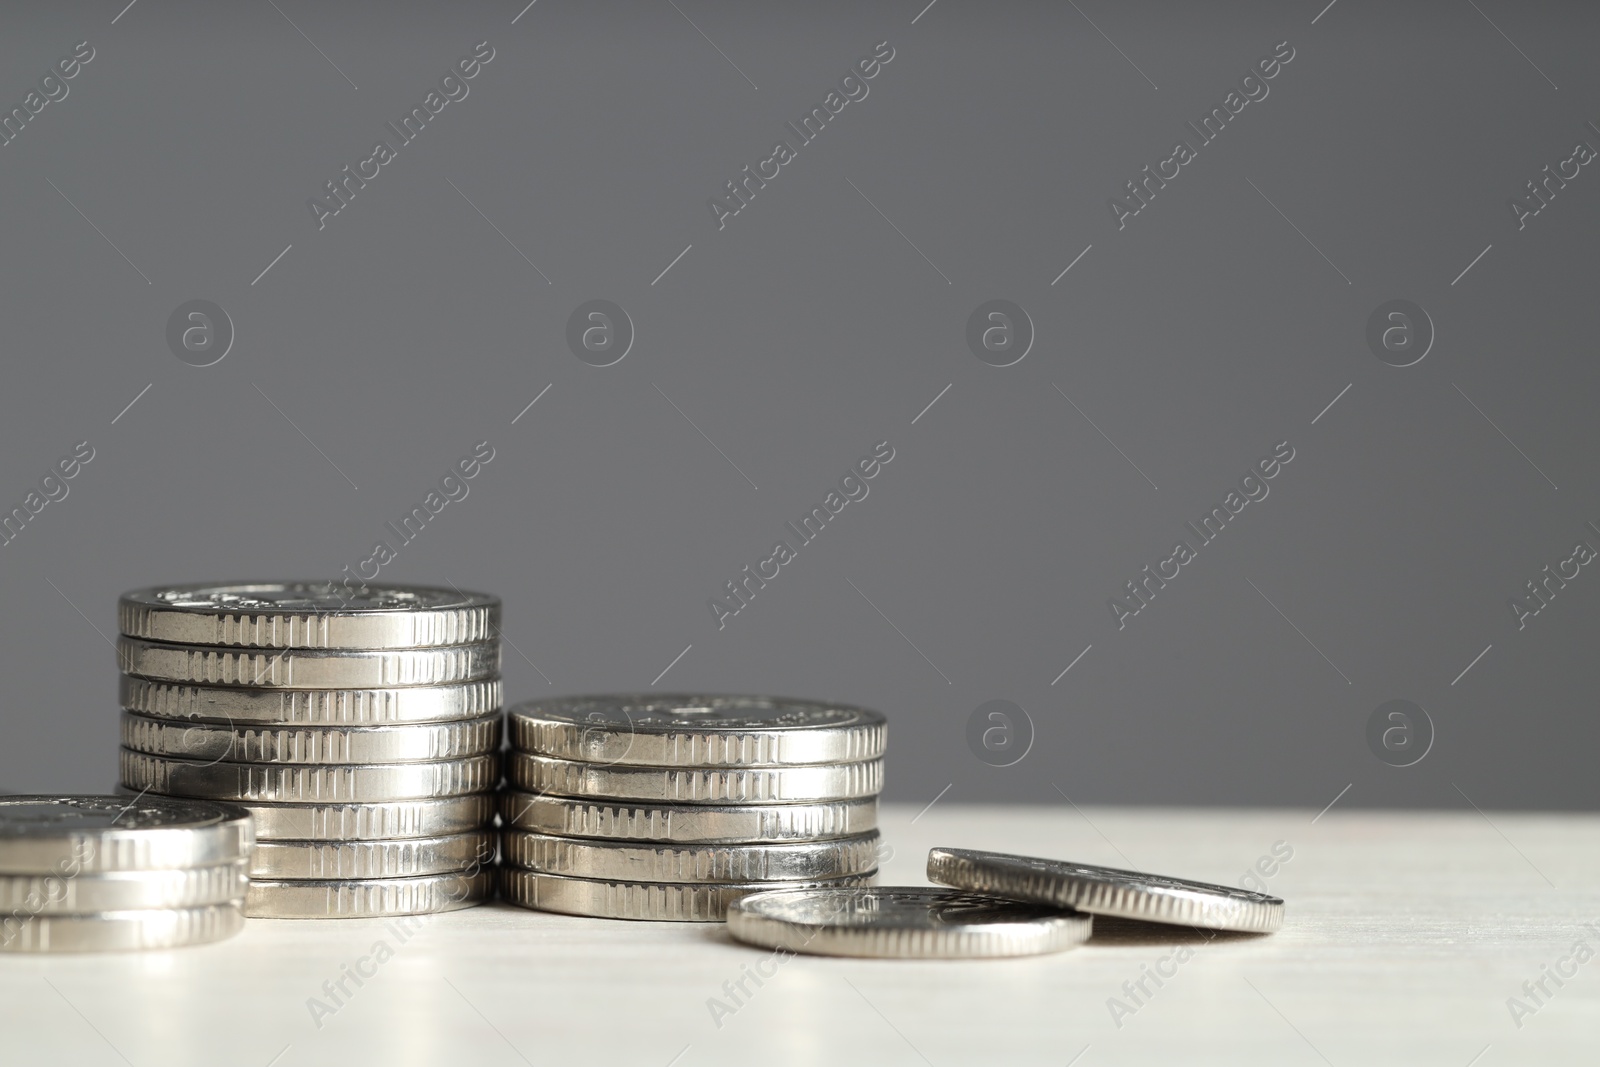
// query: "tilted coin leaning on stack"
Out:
[362,732]
[673,806]
[98,874]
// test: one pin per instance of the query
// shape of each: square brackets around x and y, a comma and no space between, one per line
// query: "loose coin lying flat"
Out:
[308,615]
[403,858]
[303,783]
[653,902]
[23,895]
[311,744]
[73,835]
[432,817]
[733,785]
[903,923]
[698,730]
[120,931]
[622,861]
[308,668]
[1106,890]
[239,705]
[686,823]
[364,898]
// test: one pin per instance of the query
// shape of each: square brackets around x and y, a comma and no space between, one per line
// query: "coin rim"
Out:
[1196,904]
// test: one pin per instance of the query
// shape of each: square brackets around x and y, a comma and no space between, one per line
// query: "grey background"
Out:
[807,330]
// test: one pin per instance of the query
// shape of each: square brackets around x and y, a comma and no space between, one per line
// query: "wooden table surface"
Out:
[1407,937]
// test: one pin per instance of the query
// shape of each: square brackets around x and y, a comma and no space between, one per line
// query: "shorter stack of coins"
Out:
[100,874]
[671,807]
[362,731]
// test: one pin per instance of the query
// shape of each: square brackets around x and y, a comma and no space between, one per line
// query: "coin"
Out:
[300,783]
[308,668]
[698,730]
[622,861]
[308,615]
[1106,890]
[650,901]
[74,835]
[897,922]
[685,823]
[54,894]
[402,858]
[367,897]
[333,707]
[119,931]
[430,817]
[695,785]
[311,744]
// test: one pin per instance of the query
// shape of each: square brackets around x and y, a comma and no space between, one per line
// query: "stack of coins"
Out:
[671,807]
[361,730]
[98,874]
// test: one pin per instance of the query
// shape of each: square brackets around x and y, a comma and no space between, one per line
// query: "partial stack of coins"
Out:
[671,807]
[361,730]
[99,874]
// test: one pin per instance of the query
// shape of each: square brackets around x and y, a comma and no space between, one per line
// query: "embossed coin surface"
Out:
[903,923]
[309,615]
[1106,890]
[72,835]
[698,730]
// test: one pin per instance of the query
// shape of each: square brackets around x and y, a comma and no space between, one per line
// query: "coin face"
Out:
[85,834]
[1106,890]
[309,615]
[698,730]
[900,922]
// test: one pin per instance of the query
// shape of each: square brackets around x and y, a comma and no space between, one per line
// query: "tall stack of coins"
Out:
[361,730]
[98,874]
[671,807]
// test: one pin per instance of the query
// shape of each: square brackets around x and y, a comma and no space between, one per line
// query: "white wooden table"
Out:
[1406,935]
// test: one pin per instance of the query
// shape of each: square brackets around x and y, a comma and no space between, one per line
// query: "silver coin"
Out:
[122,931]
[698,730]
[1106,890]
[239,705]
[647,901]
[382,820]
[309,615]
[694,785]
[311,744]
[73,835]
[686,823]
[368,897]
[400,858]
[23,895]
[898,922]
[622,861]
[308,668]
[309,783]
